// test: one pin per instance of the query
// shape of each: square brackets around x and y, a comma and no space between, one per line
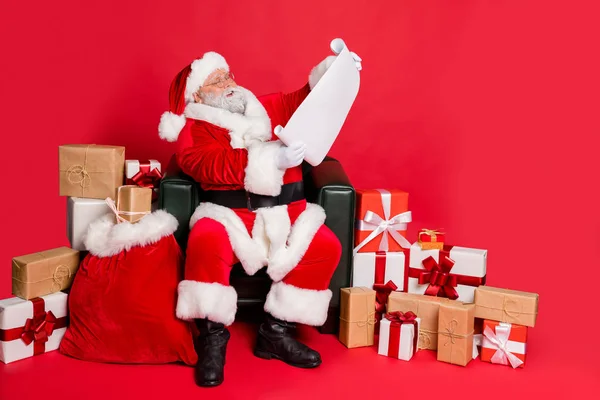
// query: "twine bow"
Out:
[499,341]
[78,174]
[449,332]
[61,273]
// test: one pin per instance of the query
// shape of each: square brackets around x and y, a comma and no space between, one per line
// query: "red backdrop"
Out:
[486,112]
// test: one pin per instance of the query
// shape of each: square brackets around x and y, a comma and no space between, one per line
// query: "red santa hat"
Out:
[182,90]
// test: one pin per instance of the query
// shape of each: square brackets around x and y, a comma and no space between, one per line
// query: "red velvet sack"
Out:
[122,302]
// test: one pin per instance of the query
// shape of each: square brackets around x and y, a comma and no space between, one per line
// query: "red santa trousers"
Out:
[299,293]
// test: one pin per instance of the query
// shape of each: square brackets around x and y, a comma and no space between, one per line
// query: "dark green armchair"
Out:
[326,185]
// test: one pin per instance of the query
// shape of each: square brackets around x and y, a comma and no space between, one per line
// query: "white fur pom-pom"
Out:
[170,126]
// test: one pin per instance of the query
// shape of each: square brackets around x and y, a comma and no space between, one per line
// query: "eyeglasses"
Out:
[223,81]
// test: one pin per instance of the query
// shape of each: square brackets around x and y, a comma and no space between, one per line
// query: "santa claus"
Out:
[254,212]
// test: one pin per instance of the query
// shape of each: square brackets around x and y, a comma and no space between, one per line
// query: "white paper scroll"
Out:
[319,119]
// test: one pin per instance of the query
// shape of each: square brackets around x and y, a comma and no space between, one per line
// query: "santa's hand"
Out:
[291,156]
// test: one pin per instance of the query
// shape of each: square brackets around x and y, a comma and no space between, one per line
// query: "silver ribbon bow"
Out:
[386,225]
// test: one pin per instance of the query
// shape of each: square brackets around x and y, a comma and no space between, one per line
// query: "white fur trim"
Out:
[294,304]
[201,69]
[251,253]
[262,175]
[317,72]
[105,238]
[214,301]
[244,129]
[170,126]
[283,259]
[274,242]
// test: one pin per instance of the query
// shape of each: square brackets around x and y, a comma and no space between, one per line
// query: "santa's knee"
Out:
[328,248]
[209,255]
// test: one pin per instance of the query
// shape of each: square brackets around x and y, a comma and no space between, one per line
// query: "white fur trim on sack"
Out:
[105,238]
[201,69]
[317,72]
[261,174]
[244,129]
[293,304]
[214,301]
[170,126]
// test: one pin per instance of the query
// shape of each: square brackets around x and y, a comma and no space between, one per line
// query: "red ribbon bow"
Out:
[441,281]
[38,328]
[382,292]
[146,178]
[400,317]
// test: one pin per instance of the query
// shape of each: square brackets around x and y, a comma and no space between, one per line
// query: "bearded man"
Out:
[254,213]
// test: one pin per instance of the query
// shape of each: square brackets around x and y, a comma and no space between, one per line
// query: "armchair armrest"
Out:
[178,196]
[328,185]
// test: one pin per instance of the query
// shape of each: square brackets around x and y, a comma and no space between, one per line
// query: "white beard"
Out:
[232,100]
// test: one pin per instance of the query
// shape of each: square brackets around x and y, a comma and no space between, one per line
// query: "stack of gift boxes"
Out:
[97,180]
[428,295]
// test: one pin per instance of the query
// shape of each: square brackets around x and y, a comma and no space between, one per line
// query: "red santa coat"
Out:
[227,151]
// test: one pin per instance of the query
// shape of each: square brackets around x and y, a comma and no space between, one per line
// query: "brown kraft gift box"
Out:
[357,317]
[426,308]
[133,202]
[504,305]
[455,333]
[90,171]
[43,273]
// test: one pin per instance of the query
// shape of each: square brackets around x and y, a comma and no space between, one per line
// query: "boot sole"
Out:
[209,384]
[268,355]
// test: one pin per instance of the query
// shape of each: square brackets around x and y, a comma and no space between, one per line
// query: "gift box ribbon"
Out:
[36,330]
[382,291]
[437,275]
[146,177]
[431,234]
[384,225]
[397,319]
[504,348]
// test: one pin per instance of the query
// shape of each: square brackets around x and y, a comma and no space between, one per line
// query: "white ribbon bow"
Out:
[113,207]
[499,341]
[477,339]
[385,225]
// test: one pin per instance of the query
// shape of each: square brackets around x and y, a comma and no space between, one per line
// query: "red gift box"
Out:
[381,220]
[503,343]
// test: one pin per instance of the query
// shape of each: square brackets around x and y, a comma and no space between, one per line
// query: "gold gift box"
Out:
[427,309]
[357,317]
[90,171]
[504,305]
[43,273]
[455,333]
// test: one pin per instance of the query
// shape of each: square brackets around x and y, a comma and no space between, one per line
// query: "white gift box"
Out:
[132,167]
[80,214]
[387,265]
[406,346]
[15,312]
[469,265]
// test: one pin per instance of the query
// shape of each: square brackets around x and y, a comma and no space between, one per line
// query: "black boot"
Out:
[275,341]
[211,347]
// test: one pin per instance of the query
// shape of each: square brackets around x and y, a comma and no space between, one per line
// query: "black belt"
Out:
[290,192]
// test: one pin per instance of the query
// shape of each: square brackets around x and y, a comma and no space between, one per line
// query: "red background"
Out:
[485,111]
